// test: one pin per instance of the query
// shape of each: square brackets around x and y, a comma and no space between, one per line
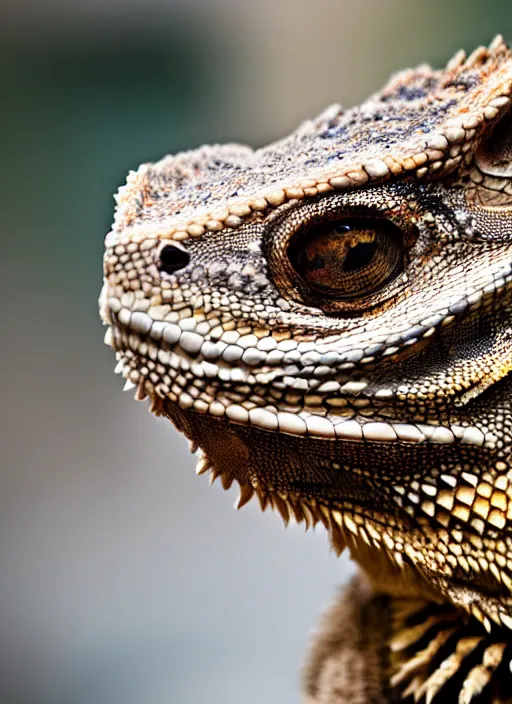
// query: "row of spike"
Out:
[341,527]
[338,525]
[290,508]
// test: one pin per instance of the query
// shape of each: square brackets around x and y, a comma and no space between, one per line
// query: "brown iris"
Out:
[348,259]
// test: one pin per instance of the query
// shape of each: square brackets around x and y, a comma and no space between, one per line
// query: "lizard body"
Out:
[329,319]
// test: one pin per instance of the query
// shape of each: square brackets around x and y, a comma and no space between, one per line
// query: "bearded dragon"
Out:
[329,320]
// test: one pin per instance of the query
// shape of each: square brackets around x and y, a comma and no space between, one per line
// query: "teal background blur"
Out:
[124,578]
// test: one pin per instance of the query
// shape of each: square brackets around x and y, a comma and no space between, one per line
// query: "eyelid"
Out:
[305,217]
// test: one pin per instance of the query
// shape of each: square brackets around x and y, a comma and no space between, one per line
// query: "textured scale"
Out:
[328,319]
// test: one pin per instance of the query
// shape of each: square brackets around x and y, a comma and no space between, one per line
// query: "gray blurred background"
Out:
[124,578]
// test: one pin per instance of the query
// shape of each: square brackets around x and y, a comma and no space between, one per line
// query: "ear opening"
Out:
[494,156]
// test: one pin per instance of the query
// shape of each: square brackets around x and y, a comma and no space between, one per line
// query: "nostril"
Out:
[173,258]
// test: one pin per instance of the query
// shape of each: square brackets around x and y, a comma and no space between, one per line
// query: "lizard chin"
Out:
[396,542]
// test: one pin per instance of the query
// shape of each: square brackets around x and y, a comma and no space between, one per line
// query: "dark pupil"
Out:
[359,256]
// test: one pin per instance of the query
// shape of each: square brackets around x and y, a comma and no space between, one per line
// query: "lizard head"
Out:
[329,319]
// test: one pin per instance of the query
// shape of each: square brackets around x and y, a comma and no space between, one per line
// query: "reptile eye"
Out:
[348,259]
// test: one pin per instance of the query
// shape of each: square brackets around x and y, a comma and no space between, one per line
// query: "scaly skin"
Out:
[329,319]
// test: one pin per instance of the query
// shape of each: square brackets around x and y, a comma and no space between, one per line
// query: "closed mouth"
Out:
[164,360]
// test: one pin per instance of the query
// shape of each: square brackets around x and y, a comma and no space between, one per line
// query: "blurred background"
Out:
[124,578]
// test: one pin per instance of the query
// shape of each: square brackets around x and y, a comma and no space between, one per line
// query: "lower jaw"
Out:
[349,488]
[337,473]
[226,453]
